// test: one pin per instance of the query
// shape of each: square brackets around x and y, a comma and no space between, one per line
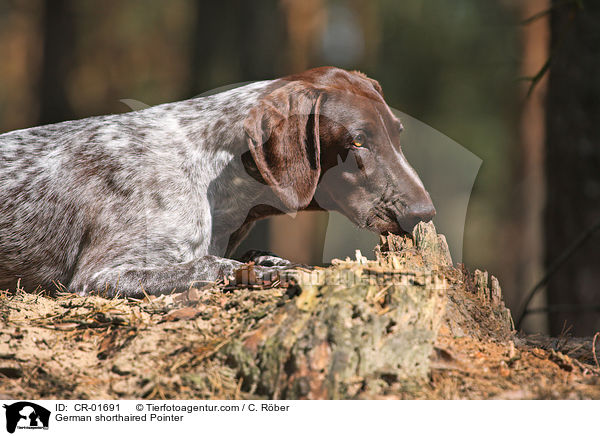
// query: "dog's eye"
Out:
[359,140]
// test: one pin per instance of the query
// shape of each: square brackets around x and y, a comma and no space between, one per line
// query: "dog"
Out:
[156,200]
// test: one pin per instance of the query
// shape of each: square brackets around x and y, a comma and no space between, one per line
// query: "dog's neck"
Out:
[214,127]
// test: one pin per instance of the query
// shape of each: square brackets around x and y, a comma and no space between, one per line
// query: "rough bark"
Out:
[361,325]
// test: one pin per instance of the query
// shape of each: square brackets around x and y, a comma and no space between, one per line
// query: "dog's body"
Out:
[153,199]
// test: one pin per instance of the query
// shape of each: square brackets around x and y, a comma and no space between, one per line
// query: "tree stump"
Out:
[353,327]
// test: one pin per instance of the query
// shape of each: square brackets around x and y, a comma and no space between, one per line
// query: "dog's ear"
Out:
[283,137]
[376,85]
[374,82]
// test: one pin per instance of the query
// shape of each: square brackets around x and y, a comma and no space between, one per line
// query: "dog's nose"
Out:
[415,214]
[424,212]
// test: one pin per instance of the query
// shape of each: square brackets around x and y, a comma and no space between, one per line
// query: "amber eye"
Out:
[359,140]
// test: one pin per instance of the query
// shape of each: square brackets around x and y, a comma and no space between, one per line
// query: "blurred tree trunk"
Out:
[231,44]
[573,163]
[59,51]
[525,266]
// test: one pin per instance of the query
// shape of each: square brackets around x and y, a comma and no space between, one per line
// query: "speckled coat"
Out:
[152,200]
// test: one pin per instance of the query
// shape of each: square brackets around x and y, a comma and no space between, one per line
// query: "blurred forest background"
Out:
[462,67]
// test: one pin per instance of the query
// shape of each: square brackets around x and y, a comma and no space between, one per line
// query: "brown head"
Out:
[326,137]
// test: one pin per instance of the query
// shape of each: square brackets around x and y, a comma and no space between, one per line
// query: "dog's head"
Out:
[327,137]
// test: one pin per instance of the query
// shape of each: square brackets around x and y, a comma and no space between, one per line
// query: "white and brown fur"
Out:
[153,199]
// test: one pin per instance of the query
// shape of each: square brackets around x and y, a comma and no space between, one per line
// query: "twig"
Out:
[537,15]
[145,294]
[558,262]
[542,71]
[547,11]
[538,76]
[564,335]
[594,349]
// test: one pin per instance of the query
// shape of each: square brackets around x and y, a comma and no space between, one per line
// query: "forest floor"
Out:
[179,346]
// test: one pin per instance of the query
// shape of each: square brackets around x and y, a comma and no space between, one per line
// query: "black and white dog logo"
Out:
[26,415]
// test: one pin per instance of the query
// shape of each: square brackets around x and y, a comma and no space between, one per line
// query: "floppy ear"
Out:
[283,137]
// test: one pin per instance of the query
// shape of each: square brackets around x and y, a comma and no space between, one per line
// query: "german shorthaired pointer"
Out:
[151,200]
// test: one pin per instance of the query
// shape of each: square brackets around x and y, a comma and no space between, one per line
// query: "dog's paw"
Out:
[271,261]
[264,258]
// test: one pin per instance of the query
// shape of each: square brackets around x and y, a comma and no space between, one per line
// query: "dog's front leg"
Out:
[132,281]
